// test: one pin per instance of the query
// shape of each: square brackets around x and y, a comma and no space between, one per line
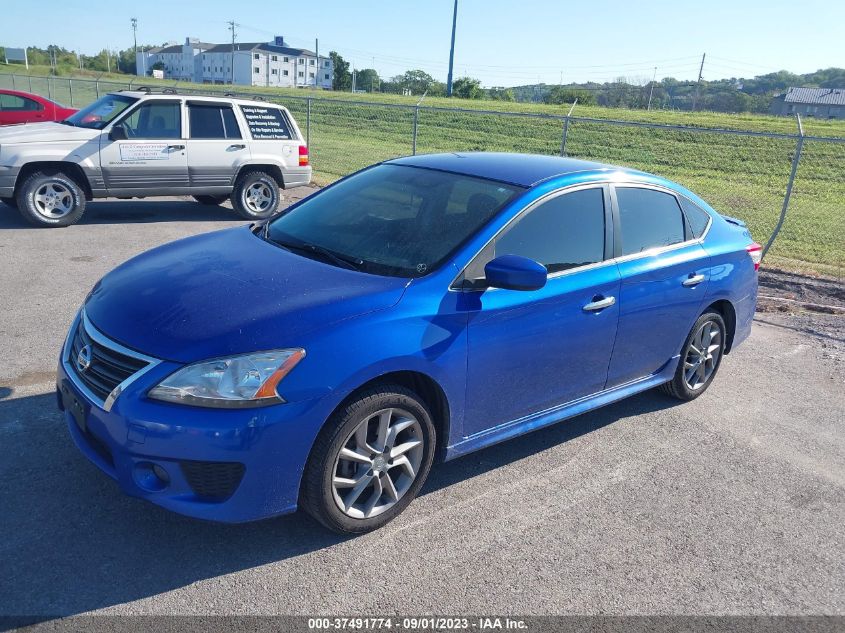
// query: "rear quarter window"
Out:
[697,218]
[267,123]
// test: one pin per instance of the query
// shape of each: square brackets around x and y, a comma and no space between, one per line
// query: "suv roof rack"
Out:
[191,92]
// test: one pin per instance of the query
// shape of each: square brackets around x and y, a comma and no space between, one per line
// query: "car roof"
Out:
[142,94]
[525,170]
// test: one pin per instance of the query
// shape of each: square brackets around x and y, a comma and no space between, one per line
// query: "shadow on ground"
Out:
[72,542]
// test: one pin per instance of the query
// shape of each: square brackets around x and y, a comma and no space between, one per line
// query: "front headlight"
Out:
[248,380]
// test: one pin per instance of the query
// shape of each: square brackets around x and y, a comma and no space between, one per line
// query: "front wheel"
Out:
[370,460]
[256,195]
[700,358]
[211,200]
[51,199]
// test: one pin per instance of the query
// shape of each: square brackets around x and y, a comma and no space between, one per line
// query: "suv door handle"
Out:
[692,281]
[599,304]
[175,147]
[237,146]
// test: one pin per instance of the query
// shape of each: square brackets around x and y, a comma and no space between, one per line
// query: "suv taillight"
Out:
[303,156]
[755,252]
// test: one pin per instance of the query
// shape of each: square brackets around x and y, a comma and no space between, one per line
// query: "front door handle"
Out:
[175,147]
[692,281]
[599,304]
[237,146]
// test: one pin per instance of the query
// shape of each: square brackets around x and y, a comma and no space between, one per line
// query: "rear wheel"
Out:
[50,199]
[700,358]
[256,195]
[211,200]
[10,202]
[370,460]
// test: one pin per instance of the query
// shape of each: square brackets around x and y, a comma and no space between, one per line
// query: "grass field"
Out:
[743,176]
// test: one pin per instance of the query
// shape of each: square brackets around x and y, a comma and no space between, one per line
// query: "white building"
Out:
[255,64]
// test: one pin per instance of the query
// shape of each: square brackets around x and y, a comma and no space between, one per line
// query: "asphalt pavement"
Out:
[731,504]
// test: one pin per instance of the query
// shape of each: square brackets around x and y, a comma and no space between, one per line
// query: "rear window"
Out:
[267,123]
[648,219]
[697,218]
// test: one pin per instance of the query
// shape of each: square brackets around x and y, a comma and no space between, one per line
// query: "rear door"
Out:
[665,272]
[529,351]
[152,160]
[216,146]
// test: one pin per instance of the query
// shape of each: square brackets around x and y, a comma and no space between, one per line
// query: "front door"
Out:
[529,351]
[152,160]
[665,272]
[216,146]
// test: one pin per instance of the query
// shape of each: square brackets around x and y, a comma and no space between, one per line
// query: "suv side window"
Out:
[648,219]
[562,233]
[212,122]
[154,120]
[697,218]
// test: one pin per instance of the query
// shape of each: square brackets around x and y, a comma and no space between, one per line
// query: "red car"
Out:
[23,107]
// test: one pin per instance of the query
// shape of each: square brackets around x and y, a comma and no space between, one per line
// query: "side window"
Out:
[14,103]
[267,123]
[648,219]
[697,218]
[155,120]
[231,123]
[565,232]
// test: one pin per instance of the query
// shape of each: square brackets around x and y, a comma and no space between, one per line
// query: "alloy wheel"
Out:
[377,463]
[53,200]
[702,355]
[258,197]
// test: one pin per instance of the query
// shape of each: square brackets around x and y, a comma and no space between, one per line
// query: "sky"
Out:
[502,43]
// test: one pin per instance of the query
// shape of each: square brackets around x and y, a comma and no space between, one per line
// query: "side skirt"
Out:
[559,413]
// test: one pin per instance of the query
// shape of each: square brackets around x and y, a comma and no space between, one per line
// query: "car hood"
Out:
[228,292]
[48,132]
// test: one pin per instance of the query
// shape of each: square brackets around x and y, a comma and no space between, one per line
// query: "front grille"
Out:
[108,367]
[213,481]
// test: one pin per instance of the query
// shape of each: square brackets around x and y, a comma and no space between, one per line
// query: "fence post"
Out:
[97,88]
[49,88]
[70,88]
[29,77]
[566,129]
[416,120]
[308,124]
[13,82]
[798,147]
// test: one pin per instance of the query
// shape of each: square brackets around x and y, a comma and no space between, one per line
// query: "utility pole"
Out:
[452,51]
[651,91]
[317,53]
[232,26]
[135,40]
[698,85]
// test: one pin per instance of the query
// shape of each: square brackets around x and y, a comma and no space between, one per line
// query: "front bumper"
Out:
[197,449]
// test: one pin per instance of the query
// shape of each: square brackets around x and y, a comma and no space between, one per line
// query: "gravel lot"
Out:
[731,504]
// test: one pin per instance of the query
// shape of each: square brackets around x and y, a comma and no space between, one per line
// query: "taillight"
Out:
[755,252]
[303,156]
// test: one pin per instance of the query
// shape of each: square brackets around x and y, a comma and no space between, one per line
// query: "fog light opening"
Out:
[151,477]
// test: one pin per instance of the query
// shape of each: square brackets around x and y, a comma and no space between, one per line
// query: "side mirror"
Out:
[513,272]
[117,133]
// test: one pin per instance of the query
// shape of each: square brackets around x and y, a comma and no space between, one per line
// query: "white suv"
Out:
[139,144]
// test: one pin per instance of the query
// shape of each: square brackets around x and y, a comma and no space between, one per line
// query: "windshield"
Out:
[100,113]
[391,219]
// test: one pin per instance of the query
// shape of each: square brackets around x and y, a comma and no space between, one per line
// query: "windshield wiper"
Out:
[353,263]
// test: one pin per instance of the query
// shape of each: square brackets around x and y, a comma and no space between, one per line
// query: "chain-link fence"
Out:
[742,173]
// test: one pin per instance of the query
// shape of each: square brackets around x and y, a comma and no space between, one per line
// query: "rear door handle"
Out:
[692,280]
[175,147]
[599,304]
[237,146]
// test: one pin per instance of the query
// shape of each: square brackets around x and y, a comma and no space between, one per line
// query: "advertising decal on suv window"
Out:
[143,151]
[266,123]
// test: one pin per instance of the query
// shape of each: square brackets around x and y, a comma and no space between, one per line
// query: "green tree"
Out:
[417,81]
[467,88]
[367,79]
[342,76]
[560,95]
[501,94]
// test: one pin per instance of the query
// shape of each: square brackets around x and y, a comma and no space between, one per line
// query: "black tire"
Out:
[679,386]
[211,200]
[36,213]
[317,490]
[241,195]
[11,202]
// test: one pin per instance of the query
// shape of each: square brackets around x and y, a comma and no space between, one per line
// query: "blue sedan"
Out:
[420,309]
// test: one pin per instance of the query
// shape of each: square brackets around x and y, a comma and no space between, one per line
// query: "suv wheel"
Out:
[370,460]
[211,200]
[10,202]
[256,195]
[700,358]
[50,200]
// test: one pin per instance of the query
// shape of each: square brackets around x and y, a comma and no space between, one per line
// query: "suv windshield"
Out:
[100,113]
[391,219]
